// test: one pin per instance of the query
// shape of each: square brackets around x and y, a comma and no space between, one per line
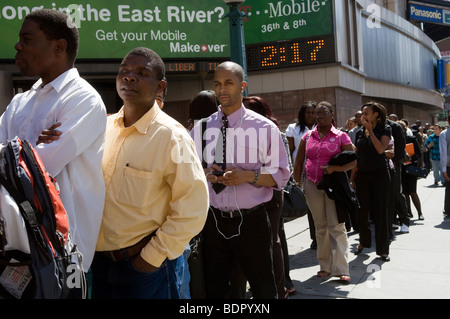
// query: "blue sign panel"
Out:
[443,77]
[426,14]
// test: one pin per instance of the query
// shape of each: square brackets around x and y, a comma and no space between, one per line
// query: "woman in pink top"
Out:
[318,147]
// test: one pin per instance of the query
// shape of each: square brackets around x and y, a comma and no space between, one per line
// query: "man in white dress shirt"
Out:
[47,49]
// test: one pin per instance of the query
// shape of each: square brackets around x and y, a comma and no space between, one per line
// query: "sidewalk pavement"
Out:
[419,266]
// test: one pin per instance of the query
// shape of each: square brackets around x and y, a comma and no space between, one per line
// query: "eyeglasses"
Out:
[321,114]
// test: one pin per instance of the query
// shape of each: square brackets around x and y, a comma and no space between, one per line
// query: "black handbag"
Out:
[294,203]
[416,171]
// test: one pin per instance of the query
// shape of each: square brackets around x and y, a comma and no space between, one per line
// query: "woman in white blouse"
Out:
[305,122]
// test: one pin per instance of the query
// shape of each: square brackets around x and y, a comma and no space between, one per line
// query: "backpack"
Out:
[44,270]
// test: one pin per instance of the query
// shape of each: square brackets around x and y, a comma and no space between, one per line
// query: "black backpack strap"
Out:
[27,211]
[204,164]
[47,218]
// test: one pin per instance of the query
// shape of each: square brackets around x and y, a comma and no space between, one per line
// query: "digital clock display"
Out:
[296,52]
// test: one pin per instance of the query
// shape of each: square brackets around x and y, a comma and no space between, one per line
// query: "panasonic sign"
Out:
[426,14]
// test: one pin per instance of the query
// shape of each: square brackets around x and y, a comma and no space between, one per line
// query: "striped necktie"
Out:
[221,152]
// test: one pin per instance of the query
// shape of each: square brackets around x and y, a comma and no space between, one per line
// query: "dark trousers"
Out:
[287,268]
[312,227]
[399,199]
[238,281]
[372,192]
[274,209]
[251,247]
[391,203]
[121,280]
[396,200]
[447,195]
[426,160]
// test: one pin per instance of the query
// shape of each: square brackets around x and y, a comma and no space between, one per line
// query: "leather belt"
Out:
[236,213]
[121,254]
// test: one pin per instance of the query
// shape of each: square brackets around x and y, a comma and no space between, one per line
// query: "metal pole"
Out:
[237,40]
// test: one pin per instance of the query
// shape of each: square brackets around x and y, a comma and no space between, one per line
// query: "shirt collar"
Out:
[235,116]
[143,124]
[60,82]
[333,130]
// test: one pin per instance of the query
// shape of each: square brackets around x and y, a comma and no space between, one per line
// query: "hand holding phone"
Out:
[218,173]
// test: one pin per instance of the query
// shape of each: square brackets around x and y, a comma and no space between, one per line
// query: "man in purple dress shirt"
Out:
[255,162]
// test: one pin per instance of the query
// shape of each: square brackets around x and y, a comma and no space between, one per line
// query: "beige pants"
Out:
[332,244]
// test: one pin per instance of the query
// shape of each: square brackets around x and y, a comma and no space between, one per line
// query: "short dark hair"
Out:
[233,67]
[160,68]
[55,25]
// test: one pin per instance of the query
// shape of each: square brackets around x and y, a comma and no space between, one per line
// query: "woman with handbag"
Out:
[305,122]
[318,147]
[409,182]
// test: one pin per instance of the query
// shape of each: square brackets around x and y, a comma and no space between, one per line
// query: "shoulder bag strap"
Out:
[204,164]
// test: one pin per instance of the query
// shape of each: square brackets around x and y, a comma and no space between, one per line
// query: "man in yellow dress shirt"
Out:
[156,191]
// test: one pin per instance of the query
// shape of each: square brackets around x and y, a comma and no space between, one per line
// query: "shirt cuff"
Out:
[152,256]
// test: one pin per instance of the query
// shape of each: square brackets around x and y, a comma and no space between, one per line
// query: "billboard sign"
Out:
[175,29]
[430,14]
[442,3]
[285,20]
[443,76]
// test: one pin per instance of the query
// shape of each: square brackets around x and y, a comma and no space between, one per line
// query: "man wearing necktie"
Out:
[220,156]
[245,163]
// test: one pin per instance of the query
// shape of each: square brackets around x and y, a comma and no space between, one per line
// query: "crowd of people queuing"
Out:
[156,187]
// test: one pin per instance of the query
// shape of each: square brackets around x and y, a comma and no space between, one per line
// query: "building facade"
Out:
[363,50]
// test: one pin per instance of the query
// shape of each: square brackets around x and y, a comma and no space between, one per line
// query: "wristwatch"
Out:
[256,177]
